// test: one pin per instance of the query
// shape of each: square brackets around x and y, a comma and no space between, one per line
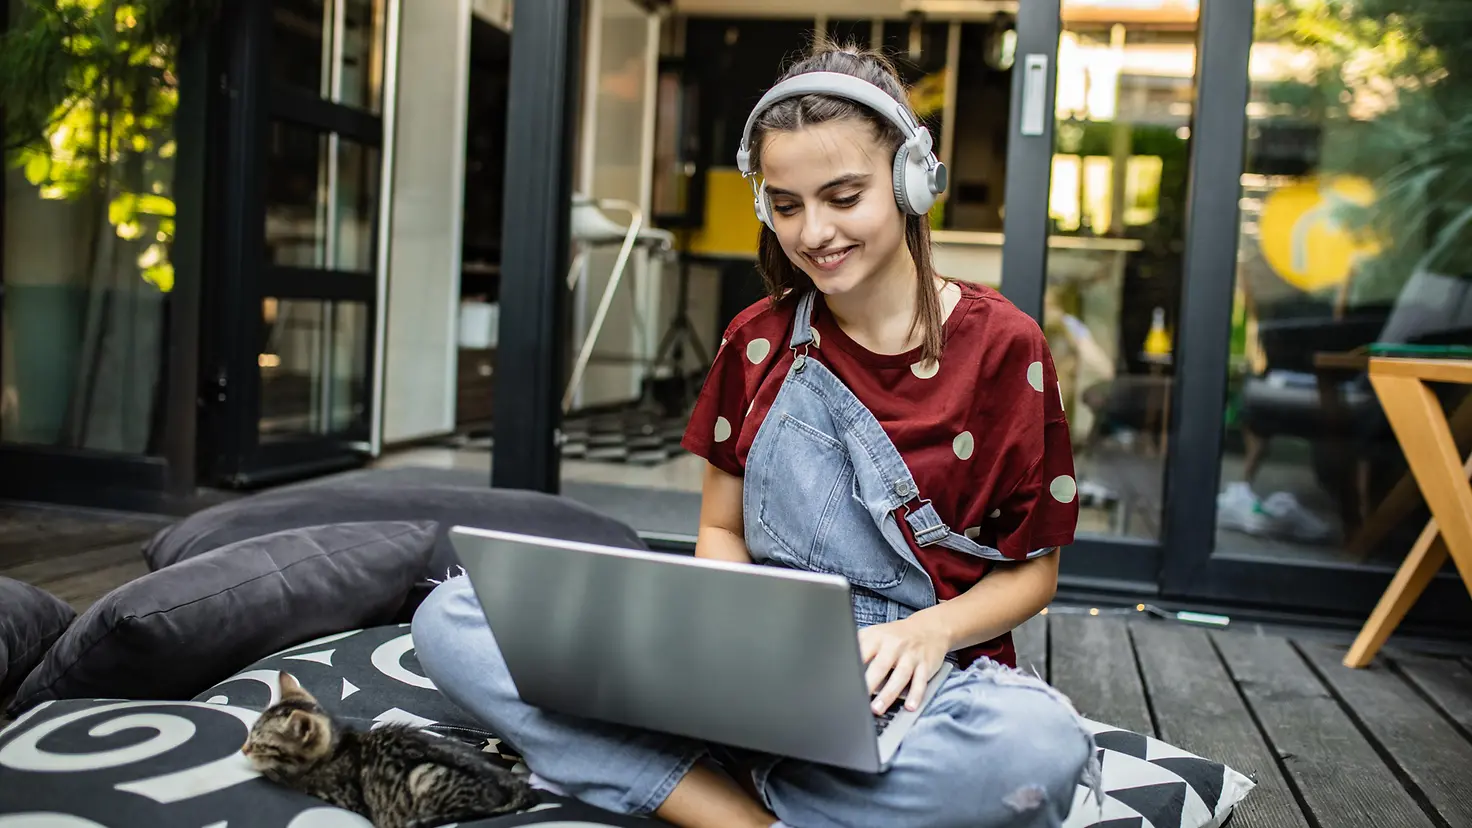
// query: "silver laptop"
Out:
[748,656]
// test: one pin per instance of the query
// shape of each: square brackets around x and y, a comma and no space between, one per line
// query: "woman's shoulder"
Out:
[762,319]
[994,319]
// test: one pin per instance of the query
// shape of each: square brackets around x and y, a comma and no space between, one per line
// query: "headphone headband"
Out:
[827,83]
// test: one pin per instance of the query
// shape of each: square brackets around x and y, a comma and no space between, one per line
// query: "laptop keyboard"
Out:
[883,720]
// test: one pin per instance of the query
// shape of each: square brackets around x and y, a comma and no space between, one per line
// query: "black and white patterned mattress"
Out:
[91,763]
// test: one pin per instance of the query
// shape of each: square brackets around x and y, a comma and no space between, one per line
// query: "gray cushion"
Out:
[511,510]
[176,631]
[31,619]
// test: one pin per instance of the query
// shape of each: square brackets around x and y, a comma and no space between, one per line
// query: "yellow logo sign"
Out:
[1304,239]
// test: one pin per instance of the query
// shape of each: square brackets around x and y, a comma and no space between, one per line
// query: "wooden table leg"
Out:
[1426,558]
[1421,429]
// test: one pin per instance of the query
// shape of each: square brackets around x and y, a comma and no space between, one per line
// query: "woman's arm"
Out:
[903,655]
[722,534]
[1009,595]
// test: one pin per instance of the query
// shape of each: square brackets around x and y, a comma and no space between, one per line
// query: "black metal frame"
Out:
[251,102]
[546,54]
[162,481]
[1182,568]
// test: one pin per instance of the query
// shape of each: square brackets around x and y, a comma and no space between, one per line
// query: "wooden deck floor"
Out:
[78,556]
[1329,747]
[1385,747]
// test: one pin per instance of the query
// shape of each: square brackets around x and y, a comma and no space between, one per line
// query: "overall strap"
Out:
[802,324]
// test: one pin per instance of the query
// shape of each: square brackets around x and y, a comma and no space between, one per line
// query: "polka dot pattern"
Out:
[757,350]
[925,368]
[996,513]
[963,445]
[973,532]
[1035,376]
[817,339]
[723,429]
[1063,488]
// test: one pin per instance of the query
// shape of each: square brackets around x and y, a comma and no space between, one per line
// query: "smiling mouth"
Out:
[829,261]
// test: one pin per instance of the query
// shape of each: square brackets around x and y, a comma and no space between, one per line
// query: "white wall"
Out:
[424,234]
[614,163]
[494,11]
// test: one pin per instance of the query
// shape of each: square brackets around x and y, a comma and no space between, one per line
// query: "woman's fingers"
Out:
[879,667]
[917,687]
[904,671]
[868,646]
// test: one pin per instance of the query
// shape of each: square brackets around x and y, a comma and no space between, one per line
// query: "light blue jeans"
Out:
[995,748]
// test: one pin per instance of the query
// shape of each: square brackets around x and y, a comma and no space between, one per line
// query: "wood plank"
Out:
[1415,735]
[1338,774]
[82,590]
[1198,708]
[1094,665]
[1447,682]
[1031,642]
[57,567]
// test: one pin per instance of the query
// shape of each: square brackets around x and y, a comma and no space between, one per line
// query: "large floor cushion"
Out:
[174,631]
[527,512]
[31,619]
[139,764]
[178,764]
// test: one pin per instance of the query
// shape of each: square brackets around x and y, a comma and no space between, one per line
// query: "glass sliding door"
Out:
[294,384]
[1345,228]
[1122,112]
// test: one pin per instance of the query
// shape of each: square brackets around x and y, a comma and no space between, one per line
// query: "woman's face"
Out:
[832,195]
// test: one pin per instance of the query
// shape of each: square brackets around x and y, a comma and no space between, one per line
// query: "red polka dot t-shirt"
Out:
[982,431]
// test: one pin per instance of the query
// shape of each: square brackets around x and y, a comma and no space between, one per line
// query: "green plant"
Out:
[88,91]
[1390,87]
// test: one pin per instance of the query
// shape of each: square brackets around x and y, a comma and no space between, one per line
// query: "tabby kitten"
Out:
[395,776]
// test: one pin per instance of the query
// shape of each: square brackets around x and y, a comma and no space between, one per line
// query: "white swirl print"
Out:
[388,659]
[328,818]
[43,819]
[171,731]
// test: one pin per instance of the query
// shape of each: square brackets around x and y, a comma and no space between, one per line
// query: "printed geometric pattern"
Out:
[94,763]
[1150,784]
[633,437]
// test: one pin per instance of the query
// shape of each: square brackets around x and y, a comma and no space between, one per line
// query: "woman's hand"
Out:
[909,652]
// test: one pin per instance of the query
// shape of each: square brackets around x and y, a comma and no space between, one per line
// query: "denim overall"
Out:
[822,490]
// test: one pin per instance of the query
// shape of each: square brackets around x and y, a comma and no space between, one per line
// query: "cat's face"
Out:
[290,736]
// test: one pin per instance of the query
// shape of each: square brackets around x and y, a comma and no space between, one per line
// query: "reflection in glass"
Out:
[314,368]
[296,185]
[301,33]
[89,226]
[304,54]
[1355,214]
[357,205]
[305,225]
[1116,207]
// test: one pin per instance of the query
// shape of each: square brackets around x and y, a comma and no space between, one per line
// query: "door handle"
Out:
[1034,94]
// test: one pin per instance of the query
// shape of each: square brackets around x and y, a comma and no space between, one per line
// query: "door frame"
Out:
[232,453]
[1193,570]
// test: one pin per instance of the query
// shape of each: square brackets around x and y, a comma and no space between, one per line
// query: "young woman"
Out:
[874,420]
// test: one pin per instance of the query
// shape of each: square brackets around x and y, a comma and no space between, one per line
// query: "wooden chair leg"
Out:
[1425,560]
[1422,431]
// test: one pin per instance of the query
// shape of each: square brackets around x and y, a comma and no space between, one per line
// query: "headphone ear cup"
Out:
[764,207]
[901,187]
[916,182]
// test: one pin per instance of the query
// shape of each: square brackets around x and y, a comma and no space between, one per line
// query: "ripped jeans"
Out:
[995,749]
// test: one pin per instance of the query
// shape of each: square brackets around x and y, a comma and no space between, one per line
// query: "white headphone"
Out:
[918,175]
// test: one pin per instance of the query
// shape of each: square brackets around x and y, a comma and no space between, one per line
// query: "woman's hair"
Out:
[778,272]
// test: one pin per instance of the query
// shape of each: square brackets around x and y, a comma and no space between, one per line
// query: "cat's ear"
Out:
[303,727]
[292,690]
